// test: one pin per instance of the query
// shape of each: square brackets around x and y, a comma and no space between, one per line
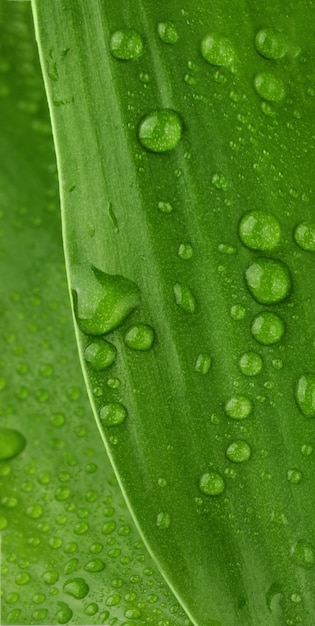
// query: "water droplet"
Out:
[226,248]
[101,301]
[271,43]
[305,394]
[50,577]
[259,230]
[64,614]
[237,312]
[212,484]
[267,328]
[100,354]
[160,131]
[269,87]
[139,337]
[76,587]
[126,44]
[250,363]
[12,443]
[185,251]
[277,364]
[97,565]
[303,554]
[217,50]
[219,181]
[167,32]
[113,414]
[294,476]
[304,235]
[307,449]
[239,451]
[203,363]
[165,207]
[238,407]
[268,280]
[163,520]
[184,298]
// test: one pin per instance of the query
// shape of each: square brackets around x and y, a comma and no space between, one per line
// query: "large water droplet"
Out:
[239,451]
[269,87]
[259,230]
[100,354]
[305,394]
[126,44]
[304,235]
[12,443]
[160,131]
[184,298]
[212,484]
[217,50]
[268,280]
[271,43]
[101,301]
[167,32]
[267,328]
[113,414]
[250,363]
[139,337]
[76,587]
[303,554]
[238,407]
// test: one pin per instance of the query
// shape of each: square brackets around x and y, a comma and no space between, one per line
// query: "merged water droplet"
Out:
[12,443]
[250,364]
[185,251]
[184,298]
[167,32]
[238,407]
[239,451]
[165,207]
[259,230]
[269,87]
[101,301]
[294,476]
[139,337]
[76,587]
[160,131]
[303,554]
[305,394]
[100,354]
[212,484]
[163,520]
[271,43]
[219,181]
[268,280]
[237,312]
[304,235]
[267,328]
[126,44]
[217,50]
[203,363]
[113,414]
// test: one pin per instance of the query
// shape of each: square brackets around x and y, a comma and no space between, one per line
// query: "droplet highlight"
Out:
[160,131]
[268,280]
[126,44]
[259,230]
[267,328]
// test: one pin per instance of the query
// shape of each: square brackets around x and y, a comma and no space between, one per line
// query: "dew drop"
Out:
[277,364]
[305,394]
[165,207]
[76,587]
[126,44]
[304,235]
[250,364]
[307,449]
[294,476]
[101,301]
[217,50]
[267,328]
[237,312]
[97,565]
[268,280]
[239,451]
[100,354]
[259,230]
[238,407]
[226,248]
[303,554]
[269,87]
[12,443]
[160,131]
[139,337]
[203,363]
[163,520]
[271,43]
[113,414]
[219,181]
[212,484]
[184,298]
[185,251]
[167,32]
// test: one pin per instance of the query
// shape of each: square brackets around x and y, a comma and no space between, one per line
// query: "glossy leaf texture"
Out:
[185,140]
[70,553]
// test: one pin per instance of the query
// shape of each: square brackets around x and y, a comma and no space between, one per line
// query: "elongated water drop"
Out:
[217,50]
[160,131]
[268,280]
[305,394]
[203,363]
[126,44]
[184,298]
[12,443]
[259,230]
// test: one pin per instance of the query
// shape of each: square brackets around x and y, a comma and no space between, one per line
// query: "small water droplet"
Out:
[185,251]
[303,554]
[100,354]
[268,280]
[167,32]
[219,181]
[217,50]
[259,230]
[76,587]
[163,520]
[212,484]
[239,451]
[139,337]
[113,414]
[126,44]
[305,394]
[237,312]
[250,364]
[165,207]
[203,363]
[277,364]
[296,598]
[160,131]
[226,248]
[12,443]
[267,328]
[184,298]
[271,43]
[294,476]
[304,235]
[238,407]
[269,87]
[307,449]
[97,565]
